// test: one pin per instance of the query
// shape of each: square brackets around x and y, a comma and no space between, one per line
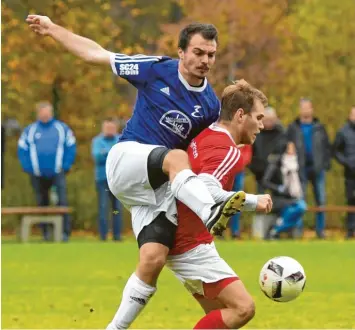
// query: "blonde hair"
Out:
[240,95]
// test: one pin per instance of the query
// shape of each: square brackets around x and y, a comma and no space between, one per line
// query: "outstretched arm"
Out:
[219,166]
[86,49]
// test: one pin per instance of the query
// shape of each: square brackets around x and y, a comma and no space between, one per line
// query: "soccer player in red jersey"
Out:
[216,158]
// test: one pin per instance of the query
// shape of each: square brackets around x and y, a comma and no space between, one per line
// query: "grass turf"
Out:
[79,285]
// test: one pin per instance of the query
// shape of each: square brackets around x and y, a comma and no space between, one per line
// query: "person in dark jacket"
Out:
[234,223]
[282,179]
[272,139]
[101,145]
[344,153]
[3,137]
[46,150]
[314,155]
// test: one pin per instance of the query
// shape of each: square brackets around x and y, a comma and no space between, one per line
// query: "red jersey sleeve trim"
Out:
[228,163]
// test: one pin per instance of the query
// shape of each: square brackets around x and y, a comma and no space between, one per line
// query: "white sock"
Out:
[190,190]
[135,297]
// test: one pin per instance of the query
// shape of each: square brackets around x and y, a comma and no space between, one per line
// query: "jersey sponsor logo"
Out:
[194,149]
[129,69]
[196,113]
[177,122]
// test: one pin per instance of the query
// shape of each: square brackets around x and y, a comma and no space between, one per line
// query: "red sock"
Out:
[213,320]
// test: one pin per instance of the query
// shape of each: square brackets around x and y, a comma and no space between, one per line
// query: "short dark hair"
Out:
[240,95]
[305,99]
[208,32]
[110,120]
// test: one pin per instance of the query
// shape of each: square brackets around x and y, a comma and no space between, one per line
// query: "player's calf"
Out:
[154,241]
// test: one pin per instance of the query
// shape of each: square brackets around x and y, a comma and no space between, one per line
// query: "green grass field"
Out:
[56,285]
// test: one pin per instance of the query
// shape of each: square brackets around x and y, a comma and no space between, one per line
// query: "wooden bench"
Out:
[41,214]
[331,208]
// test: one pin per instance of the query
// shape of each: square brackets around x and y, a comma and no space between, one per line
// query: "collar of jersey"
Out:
[191,88]
[215,127]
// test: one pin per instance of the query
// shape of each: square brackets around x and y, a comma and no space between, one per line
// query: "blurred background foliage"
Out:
[289,49]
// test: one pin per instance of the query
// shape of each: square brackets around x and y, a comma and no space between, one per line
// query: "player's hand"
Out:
[264,204]
[39,24]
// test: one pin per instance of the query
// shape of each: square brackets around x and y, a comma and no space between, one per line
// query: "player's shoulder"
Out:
[166,65]
[216,136]
[30,126]
[212,94]
[65,126]
[60,123]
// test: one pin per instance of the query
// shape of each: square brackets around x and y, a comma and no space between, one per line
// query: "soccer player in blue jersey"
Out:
[149,168]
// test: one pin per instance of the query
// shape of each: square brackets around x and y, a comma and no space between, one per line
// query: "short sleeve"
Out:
[136,69]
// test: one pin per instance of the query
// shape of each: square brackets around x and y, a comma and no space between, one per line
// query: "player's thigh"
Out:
[128,175]
[236,296]
[163,213]
[208,305]
[154,241]
[160,231]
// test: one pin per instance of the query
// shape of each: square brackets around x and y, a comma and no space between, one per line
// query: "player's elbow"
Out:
[101,56]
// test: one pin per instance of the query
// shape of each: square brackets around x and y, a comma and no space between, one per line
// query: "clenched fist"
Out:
[264,204]
[39,24]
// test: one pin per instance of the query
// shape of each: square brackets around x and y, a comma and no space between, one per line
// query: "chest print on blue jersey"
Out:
[177,122]
[197,113]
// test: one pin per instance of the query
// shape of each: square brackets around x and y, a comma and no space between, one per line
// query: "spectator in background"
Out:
[314,153]
[272,139]
[344,152]
[3,137]
[101,145]
[246,153]
[46,150]
[282,178]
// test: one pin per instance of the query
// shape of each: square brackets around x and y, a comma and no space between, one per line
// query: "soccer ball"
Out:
[282,279]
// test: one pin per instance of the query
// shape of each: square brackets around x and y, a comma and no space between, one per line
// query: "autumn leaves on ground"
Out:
[79,285]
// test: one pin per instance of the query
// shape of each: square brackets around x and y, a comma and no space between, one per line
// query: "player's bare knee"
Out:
[175,161]
[246,310]
[152,260]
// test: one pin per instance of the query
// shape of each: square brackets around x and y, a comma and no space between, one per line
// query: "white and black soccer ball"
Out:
[282,279]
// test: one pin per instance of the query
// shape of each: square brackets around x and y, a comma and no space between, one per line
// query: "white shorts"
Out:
[202,264]
[127,177]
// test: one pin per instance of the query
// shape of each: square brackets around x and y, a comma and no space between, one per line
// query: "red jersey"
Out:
[212,152]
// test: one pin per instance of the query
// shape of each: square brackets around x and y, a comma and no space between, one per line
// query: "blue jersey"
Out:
[168,111]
